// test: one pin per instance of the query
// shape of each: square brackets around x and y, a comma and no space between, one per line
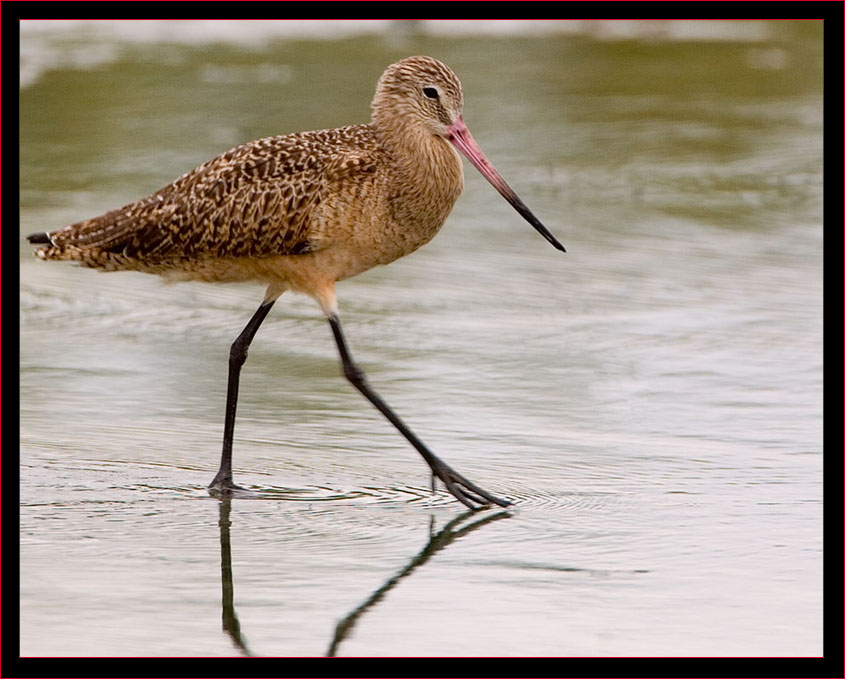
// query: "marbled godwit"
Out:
[302,211]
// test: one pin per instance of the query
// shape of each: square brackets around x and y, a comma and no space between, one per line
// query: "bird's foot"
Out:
[223,486]
[462,488]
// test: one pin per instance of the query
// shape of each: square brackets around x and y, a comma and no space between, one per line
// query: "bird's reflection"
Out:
[437,541]
[230,619]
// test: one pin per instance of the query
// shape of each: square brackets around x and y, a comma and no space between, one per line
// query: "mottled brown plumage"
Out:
[256,200]
[302,211]
[296,211]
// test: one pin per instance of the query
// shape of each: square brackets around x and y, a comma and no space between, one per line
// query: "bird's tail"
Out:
[43,238]
[38,238]
[97,242]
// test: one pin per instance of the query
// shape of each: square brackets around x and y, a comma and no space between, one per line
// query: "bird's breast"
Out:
[423,193]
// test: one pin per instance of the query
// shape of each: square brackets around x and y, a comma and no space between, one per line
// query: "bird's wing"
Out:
[255,200]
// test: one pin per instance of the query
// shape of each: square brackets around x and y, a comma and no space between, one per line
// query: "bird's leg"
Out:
[463,489]
[237,356]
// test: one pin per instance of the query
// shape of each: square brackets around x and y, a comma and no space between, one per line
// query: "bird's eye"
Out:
[431,92]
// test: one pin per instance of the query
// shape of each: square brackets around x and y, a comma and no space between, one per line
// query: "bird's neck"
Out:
[426,167]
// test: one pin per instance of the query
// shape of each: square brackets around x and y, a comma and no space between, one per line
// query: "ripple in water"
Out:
[366,494]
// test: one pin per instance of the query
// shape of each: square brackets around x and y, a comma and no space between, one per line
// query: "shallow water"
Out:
[651,400]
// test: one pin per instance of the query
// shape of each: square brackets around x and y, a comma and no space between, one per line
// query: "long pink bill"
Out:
[462,140]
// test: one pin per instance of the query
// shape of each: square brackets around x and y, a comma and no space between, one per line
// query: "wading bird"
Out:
[302,211]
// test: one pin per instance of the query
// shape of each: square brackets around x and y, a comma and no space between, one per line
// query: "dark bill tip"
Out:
[529,217]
